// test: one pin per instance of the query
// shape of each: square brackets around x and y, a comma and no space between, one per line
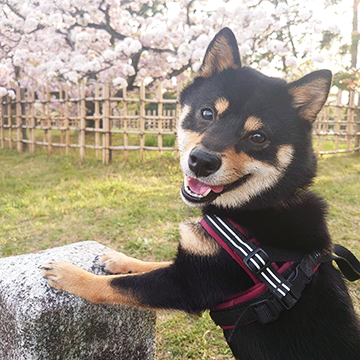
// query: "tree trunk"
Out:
[354,35]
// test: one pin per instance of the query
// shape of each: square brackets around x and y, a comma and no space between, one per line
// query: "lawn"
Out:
[136,208]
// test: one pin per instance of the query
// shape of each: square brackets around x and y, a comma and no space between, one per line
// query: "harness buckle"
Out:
[257,261]
[298,282]
[266,311]
[289,300]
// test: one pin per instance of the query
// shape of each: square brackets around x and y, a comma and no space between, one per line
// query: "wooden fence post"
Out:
[61,118]
[126,141]
[67,122]
[97,120]
[82,119]
[356,132]
[337,121]
[2,120]
[42,122]
[18,119]
[31,98]
[9,106]
[350,121]
[319,122]
[48,120]
[106,124]
[142,120]
[23,116]
[177,116]
[160,121]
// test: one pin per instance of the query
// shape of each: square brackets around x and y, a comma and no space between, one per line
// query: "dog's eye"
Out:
[207,114]
[258,138]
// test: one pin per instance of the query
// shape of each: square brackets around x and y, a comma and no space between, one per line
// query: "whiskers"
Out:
[181,147]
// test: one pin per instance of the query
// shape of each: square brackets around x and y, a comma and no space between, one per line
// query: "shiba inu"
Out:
[247,158]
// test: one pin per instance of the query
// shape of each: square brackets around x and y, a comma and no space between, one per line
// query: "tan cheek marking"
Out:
[263,177]
[221,105]
[253,123]
[284,156]
[195,240]
[309,98]
[235,164]
[219,58]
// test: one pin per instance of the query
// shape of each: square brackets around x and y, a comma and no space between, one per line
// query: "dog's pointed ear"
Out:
[310,93]
[221,54]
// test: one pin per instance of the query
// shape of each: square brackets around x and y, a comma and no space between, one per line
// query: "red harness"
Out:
[250,295]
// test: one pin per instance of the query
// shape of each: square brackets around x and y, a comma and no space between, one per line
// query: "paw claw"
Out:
[46,268]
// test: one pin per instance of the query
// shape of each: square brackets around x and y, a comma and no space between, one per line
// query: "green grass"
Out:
[135,208]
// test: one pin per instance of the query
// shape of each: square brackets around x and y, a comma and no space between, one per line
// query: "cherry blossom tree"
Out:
[46,41]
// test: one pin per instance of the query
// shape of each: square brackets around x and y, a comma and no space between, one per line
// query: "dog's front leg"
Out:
[115,262]
[161,288]
[194,282]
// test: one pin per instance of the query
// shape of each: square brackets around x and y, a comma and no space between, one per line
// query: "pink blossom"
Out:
[3,92]
[12,94]
[69,40]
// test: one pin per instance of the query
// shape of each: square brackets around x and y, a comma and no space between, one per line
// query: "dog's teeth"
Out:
[207,192]
[190,192]
[186,181]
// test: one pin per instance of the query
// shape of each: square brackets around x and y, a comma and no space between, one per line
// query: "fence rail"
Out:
[99,118]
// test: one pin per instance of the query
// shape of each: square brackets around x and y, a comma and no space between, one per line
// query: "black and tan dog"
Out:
[246,153]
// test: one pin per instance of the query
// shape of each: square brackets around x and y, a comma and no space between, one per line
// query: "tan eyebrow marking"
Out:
[221,105]
[253,123]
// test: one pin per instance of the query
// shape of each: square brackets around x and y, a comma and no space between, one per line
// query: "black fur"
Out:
[323,325]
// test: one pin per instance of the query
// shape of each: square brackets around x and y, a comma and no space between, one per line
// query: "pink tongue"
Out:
[200,188]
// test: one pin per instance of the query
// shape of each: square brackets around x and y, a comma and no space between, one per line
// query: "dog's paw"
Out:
[61,275]
[114,262]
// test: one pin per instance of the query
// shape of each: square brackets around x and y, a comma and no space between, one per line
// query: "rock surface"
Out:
[38,322]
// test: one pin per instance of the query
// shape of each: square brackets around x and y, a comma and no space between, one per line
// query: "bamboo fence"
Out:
[337,127]
[101,119]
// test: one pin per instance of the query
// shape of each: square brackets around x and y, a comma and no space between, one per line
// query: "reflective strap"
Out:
[255,258]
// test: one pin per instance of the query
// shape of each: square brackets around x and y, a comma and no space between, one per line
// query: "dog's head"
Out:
[245,138]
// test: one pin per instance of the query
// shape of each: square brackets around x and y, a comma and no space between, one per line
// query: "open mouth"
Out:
[196,191]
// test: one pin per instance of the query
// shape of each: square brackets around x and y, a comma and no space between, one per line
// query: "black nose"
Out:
[203,163]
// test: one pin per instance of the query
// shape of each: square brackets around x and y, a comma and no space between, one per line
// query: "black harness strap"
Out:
[347,262]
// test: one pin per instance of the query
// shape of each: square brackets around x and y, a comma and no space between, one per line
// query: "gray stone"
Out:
[38,322]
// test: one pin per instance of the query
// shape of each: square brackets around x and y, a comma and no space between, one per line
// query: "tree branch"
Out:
[188,6]
[135,58]
[12,8]
[291,41]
